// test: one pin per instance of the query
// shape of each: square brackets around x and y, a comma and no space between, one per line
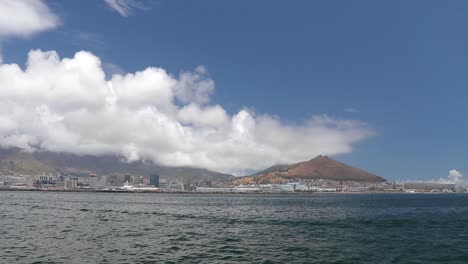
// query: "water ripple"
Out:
[43,227]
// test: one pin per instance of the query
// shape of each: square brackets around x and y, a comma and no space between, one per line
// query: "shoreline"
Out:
[204,193]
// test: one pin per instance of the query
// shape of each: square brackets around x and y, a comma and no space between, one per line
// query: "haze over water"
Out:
[50,227]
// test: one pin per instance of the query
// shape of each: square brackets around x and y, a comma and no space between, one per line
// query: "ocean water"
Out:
[61,227]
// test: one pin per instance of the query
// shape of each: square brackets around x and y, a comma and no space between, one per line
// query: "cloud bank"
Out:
[24,18]
[68,105]
[455,176]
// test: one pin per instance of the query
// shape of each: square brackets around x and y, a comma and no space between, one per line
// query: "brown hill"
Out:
[321,167]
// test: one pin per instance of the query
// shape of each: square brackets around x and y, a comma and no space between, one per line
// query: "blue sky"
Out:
[399,66]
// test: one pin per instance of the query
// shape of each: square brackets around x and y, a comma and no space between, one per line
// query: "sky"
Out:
[237,86]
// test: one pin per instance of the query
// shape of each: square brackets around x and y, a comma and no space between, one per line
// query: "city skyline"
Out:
[240,86]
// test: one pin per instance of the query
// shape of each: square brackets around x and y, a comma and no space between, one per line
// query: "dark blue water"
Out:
[45,227]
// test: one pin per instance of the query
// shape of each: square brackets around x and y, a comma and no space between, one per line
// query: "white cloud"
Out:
[68,105]
[125,7]
[455,176]
[194,87]
[22,18]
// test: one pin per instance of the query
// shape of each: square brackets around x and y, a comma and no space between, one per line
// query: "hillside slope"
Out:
[321,167]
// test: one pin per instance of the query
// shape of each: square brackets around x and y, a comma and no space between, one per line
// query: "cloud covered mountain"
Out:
[67,105]
[15,161]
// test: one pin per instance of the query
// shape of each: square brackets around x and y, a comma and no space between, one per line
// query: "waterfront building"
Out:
[355,189]
[154,180]
[294,187]
[322,189]
[429,186]
[246,188]
[138,180]
[112,181]
[289,187]
[71,183]
[93,181]
[44,181]
[128,178]
[266,188]
[177,186]
[302,188]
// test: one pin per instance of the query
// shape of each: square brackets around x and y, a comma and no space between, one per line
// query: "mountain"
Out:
[321,167]
[275,168]
[15,161]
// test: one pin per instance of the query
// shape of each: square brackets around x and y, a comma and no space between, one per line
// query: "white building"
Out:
[247,188]
[93,181]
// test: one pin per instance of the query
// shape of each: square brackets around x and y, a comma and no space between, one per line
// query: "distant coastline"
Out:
[223,193]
